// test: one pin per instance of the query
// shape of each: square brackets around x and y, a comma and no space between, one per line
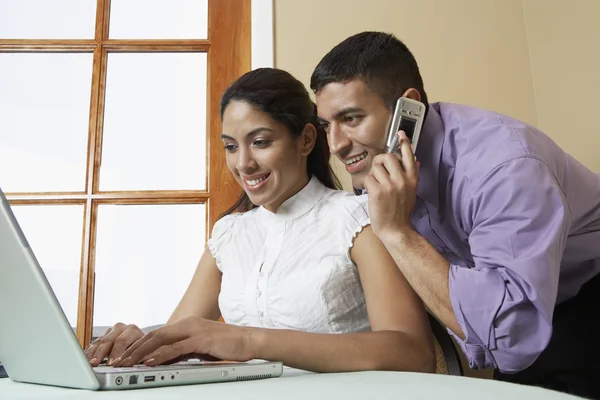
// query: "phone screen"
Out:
[408,125]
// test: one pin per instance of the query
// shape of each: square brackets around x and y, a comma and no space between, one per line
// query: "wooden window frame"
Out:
[228,49]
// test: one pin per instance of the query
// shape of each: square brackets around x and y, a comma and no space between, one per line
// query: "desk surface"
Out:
[296,384]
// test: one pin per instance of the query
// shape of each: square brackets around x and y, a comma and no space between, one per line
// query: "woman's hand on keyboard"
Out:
[113,343]
[190,336]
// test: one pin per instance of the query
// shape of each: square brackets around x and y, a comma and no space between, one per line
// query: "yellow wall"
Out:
[516,57]
[465,49]
[564,44]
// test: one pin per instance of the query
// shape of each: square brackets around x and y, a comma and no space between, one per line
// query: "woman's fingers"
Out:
[130,335]
[102,347]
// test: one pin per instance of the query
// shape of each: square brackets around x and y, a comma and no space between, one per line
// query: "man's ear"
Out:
[412,93]
[308,139]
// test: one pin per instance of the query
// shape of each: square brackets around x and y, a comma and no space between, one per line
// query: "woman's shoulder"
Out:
[225,231]
[338,197]
[347,203]
[230,222]
[342,212]
[224,224]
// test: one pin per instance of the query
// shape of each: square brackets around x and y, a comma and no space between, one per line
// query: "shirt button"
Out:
[258,293]
[419,215]
[260,314]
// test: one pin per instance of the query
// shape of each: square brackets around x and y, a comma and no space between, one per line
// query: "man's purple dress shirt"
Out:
[517,218]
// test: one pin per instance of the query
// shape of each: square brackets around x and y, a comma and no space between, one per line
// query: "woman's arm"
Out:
[201,297]
[199,300]
[401,338]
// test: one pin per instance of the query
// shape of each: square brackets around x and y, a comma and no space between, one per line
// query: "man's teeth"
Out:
[356,159]
[255,182]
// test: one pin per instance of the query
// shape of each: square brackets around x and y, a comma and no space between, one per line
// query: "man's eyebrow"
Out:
[341,113]
[348,110]
[251,133]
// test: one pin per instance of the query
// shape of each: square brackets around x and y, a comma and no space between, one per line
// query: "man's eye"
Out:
[324,126]
[351,119]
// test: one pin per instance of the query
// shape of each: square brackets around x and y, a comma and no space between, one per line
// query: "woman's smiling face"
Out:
[268,163]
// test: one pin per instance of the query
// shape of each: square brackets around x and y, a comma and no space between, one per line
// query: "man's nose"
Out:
[337,139]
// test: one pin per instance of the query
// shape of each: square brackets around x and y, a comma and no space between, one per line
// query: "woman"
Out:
[295,265]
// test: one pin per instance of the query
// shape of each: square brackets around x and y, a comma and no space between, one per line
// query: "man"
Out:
[494,226]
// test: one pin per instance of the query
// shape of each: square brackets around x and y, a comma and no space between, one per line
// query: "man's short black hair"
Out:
[379,59]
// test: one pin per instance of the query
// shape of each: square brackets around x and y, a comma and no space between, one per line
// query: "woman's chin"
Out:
[263,201]
[257,200]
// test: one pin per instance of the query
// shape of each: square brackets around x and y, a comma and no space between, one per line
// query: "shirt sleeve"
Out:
[357,217]
[520,222]
[221,235]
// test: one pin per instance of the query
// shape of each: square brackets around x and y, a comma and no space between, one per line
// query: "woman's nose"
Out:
[245,161]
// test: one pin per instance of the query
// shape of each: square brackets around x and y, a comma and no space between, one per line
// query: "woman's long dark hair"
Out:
[285,99]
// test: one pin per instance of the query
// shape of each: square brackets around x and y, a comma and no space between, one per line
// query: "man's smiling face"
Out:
[356,121]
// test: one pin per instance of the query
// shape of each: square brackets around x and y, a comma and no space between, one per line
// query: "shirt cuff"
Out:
[477,353]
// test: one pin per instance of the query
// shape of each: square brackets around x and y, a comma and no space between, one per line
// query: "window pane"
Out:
[145,258]
[43,19]
[44,118]
[155,122]
[158,19]
[54,233]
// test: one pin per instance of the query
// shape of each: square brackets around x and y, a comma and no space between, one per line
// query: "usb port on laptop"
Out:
[149,378]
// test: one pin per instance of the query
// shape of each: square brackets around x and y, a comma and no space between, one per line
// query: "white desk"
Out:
[296,384]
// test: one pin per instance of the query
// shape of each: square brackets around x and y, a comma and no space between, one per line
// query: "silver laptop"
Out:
[37,345]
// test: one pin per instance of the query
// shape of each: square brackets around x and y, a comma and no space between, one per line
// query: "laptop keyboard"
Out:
[140,367]
[106,368]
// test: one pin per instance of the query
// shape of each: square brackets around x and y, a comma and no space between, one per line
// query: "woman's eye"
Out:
[261,143]
[230,147]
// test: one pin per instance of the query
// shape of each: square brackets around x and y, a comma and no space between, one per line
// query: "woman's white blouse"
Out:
[292,269]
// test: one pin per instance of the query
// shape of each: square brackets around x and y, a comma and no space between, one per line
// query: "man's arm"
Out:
[519,223]
[392,188]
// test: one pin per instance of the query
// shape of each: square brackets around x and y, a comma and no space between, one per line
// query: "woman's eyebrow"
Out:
[251,133]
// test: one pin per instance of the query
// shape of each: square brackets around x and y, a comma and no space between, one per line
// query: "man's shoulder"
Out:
[479,141]
[450,110]
[472,122]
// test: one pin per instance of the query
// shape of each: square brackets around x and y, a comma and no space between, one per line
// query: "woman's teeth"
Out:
[254,182]
[356,159]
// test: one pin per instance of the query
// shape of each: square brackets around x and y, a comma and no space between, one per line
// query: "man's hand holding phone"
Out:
[392,188]
[394,177]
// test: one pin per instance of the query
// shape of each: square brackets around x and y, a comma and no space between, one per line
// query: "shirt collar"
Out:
[297,205]
[429,154]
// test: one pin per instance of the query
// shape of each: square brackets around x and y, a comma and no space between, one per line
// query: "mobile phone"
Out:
[408,117]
